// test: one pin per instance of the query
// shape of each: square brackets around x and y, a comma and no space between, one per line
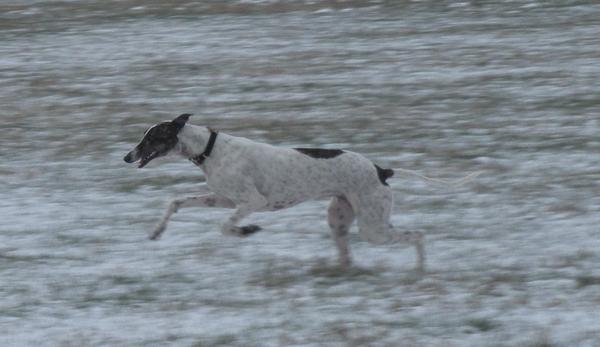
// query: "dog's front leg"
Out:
[208,200]
[230,227]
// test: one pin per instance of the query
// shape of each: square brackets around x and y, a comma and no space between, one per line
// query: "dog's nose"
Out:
[127,158]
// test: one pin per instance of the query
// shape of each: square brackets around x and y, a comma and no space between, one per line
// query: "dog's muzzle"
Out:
[135,155]
[129,158]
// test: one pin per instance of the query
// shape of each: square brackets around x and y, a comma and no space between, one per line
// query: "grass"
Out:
[482,324]
[587,280]
[542,341]
[131,185]
[508,277]
[491,285]
[131,291]
[20,258]
[404,323]
[229,303]
[574,259]
[220,340]
[324,270]
[84,239]
[283,273]
[143,294]
[276,275]
[123,279]
[137,296]
[351,334]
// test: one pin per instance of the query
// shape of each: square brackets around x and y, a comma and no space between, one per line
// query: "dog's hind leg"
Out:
[415,238]
[208,200]
[340,217]
[374,211]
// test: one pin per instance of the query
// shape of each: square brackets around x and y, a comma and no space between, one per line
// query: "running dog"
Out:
[249,177]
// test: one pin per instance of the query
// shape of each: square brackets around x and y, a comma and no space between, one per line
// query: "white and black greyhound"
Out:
[249,176]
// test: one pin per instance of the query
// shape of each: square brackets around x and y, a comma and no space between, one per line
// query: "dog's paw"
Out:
[249,229]
[157,232]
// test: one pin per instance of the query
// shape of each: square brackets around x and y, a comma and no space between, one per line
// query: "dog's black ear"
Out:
[180,121]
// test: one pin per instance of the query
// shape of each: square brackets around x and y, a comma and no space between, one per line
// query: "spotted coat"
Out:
[250,176]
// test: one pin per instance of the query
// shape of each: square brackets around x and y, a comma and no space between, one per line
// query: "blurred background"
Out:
[442,87]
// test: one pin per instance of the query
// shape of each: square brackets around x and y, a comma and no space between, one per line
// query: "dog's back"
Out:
[308,173]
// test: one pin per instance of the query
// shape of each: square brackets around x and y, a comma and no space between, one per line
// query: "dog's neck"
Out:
[193,140]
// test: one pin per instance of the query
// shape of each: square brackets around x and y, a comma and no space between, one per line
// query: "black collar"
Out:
[199,159]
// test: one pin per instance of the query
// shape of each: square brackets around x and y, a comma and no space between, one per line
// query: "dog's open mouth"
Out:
[145,160]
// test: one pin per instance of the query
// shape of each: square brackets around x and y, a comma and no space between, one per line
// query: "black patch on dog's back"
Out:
[320,153]
[384,174]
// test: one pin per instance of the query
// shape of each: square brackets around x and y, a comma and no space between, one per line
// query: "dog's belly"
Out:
[286,200]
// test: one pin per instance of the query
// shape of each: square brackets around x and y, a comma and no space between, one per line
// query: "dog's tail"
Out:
[454,183]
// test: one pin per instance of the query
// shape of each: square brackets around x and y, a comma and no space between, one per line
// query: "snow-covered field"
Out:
[441,87]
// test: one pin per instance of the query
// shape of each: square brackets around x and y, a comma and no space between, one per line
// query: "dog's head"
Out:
[158,141]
